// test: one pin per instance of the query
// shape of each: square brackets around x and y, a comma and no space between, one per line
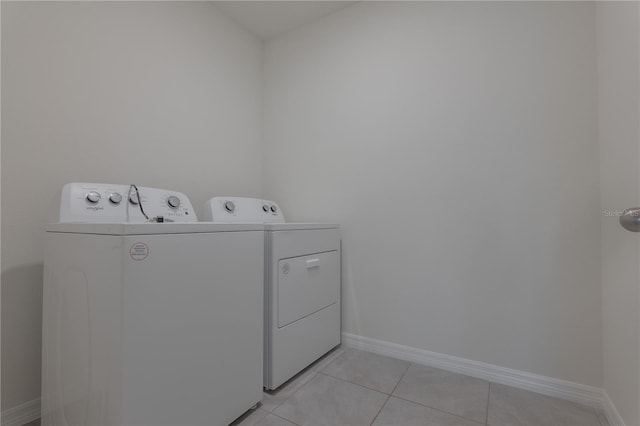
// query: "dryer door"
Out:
[306,284]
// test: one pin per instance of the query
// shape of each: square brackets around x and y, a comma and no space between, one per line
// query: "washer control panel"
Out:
[113,203]
[242,210]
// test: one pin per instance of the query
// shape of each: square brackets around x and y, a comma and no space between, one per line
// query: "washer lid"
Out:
[150,228]
[296,226]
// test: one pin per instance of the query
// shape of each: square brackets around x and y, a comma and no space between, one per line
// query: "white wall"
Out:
[0,211]
[618,27]
[458,141]
[457,145]
[160,94]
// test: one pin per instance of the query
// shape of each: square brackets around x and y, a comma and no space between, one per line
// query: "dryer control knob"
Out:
[115,198]
[173,202]
[133,199]
[93,197]
[229,206]
[274,209]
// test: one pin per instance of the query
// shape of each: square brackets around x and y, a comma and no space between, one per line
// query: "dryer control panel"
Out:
[114,203]
[242,210]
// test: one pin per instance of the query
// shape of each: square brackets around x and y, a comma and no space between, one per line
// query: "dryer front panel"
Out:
[302,304]
[307,284]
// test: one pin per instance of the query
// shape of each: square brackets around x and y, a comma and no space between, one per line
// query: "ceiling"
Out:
[267,19]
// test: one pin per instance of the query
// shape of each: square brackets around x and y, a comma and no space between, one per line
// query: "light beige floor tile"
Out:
[274,398]
[454,393]
[367,369]
[398,412]
[327,359]
[509,406]
[272,420]
[251,418]
[328,401]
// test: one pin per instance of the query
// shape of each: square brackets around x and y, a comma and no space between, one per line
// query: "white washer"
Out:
[149,323]
[302,285]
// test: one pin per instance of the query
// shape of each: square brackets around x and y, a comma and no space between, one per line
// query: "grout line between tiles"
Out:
[266,413]
[351,383]
[380,410]
[329,359]
[437,409]
[401,377]
[443,411]
[280,417]
[313,375]
[389,396]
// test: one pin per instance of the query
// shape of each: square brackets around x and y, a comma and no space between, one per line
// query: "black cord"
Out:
[139,201]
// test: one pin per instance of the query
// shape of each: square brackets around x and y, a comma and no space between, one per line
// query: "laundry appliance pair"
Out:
[302,284]
[153,318]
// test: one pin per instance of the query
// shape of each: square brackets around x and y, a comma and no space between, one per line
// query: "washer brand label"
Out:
[139,251]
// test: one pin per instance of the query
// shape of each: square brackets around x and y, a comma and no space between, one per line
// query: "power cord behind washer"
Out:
[157,219]
[134,187]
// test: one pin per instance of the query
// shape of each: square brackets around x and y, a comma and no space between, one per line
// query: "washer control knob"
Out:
[265,208]
[93,197]
[115,198]
[274,209]
[229,206]
[173,202]
[133,199]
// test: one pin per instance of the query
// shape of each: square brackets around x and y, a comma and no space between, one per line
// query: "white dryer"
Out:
[149,323]
[302,285]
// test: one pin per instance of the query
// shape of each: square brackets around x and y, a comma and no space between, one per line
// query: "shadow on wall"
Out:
[21,334]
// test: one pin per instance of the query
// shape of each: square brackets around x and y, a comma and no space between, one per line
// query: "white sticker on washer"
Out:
[139,251]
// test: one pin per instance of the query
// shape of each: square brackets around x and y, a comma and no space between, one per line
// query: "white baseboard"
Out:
[583,394]
[610,410]
[21,414]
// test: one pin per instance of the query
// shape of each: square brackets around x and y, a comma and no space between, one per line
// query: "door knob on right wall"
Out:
[630,219]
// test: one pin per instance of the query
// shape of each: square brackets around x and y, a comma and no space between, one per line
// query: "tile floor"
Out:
[352,387]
